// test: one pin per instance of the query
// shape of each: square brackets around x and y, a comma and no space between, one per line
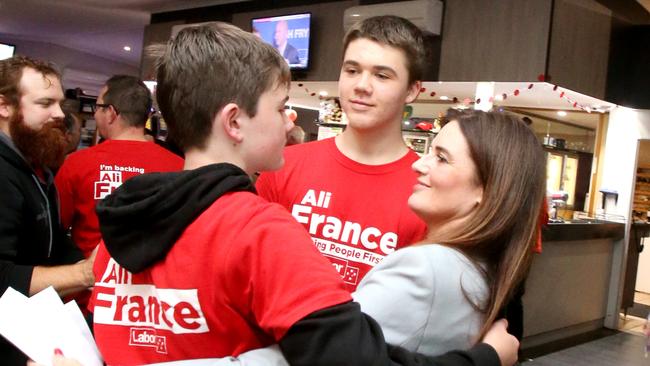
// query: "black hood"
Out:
[141,220]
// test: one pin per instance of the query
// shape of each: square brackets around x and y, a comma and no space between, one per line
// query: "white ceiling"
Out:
[541,99]
[99,27]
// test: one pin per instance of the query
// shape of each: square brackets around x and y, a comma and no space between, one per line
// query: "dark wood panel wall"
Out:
[326,36]
[579,47]
[496,40]
[502,40]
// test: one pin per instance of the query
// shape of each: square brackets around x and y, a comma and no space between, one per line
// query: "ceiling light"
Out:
[127,48]
[355,15]
[444,97]
[498,97]
[323,93]
[561,113]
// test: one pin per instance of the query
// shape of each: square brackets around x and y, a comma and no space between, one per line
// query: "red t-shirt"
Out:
[356,214]
[89,175]
[238,278]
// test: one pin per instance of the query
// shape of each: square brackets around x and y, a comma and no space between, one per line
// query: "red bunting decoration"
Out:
[300,85]
[541,77]
[504,96]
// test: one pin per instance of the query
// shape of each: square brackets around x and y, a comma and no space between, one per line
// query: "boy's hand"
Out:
[504,343]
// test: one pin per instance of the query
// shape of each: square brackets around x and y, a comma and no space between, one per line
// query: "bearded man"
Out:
[35,253]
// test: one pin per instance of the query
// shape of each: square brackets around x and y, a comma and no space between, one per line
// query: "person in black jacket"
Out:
[34,250]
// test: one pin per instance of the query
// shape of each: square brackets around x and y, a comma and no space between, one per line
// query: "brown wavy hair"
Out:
[503,229]
[11,71]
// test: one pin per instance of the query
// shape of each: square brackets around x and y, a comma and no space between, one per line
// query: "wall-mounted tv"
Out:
[289,34]
[6,50]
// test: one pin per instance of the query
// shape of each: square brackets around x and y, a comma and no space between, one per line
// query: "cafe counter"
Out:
[573,285]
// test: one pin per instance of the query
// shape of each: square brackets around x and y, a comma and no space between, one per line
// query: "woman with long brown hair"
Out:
[480,192]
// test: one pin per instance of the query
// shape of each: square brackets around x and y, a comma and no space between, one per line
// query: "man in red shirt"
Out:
[87,176]
[350,192]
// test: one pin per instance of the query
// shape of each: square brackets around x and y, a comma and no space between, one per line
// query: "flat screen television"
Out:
[289,34]
[6,50]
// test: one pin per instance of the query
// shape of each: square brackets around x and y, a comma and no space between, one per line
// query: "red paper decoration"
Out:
[433,94]
[423,89]
[516,92]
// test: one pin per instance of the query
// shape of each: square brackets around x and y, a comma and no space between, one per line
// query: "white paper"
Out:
[41,323]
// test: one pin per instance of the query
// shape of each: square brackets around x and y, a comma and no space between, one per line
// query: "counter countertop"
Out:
[583,230]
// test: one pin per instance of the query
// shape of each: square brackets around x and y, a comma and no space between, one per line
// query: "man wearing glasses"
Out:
[87,176]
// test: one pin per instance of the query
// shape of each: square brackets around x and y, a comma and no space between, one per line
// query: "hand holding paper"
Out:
[42,323]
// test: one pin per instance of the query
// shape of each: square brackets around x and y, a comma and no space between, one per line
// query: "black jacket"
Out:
[141,221]
[30,231]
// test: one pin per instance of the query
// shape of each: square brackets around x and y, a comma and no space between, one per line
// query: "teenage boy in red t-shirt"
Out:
[195,265]
[351,192]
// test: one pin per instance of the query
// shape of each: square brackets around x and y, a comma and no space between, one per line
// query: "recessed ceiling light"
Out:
[444,97]
[323,93]
[127,48]
[498,97]
[561,113]
[355,15]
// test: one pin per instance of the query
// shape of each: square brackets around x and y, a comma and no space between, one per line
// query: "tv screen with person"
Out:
[289,34]
[6,50]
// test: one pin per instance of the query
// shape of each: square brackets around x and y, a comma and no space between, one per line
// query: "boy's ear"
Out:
[228,120]
[414,91]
